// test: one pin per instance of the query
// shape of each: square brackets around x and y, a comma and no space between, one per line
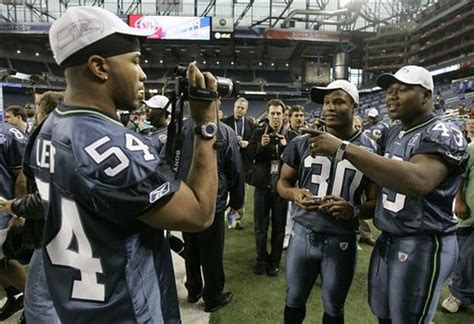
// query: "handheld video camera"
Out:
[225,87]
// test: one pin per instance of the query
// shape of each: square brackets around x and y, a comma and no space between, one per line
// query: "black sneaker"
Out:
[259,269]
[194,298]
[273,270]
[216,304]
[11,306]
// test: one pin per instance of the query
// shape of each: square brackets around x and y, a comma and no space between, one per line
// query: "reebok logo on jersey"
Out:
[402,256]
[343,245]
[159,192]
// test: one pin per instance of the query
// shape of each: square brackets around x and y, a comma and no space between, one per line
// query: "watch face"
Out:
[210,129]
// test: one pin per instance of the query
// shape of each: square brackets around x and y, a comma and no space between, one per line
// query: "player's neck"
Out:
[417,120]
[90,99]
[342,133]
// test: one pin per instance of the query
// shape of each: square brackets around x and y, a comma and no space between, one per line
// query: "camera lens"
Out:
[227,87]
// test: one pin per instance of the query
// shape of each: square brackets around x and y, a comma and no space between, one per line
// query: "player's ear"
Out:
[426,96]
[98,67]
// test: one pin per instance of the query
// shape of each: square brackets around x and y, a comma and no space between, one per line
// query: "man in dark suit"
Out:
[243,127]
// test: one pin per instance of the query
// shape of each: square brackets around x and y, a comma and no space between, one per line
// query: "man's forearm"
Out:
[285,189]
[202,177]
[400,176]
[460,192]
[20,184]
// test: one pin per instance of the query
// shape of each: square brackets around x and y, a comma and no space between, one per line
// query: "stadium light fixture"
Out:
[231,62]
[18,51]
[37,54]
[260,63]
[272,64]
[217,62]
[161,61]
[146,61]
[203,62]
[287,65]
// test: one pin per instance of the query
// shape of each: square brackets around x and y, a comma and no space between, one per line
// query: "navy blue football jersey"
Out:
[101,263]
[375,131]
[158,137]
[12,146]
[401,215]
[323,176]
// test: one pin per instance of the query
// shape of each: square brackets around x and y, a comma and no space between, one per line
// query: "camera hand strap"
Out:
[196,93]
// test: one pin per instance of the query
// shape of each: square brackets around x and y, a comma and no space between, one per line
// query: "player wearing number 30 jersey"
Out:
[323,238]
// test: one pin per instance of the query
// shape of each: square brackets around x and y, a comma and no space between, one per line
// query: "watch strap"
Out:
[341,150]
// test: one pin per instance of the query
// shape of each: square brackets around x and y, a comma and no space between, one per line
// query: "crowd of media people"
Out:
[89,196]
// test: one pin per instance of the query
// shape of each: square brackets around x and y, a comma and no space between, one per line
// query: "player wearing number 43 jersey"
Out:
[106,192]
[323,238]
[419,177]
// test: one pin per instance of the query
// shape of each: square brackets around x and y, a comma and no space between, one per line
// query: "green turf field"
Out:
[260,299]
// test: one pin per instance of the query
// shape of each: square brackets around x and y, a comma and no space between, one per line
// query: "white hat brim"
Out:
[317,93]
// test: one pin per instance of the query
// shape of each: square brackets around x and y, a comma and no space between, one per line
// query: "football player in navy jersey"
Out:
[374,128]
[159,112]
[104,187]
[330,195]
[419,177]
[12,184]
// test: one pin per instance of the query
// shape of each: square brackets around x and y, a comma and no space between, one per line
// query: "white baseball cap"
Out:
[318,93]
[80,27]
[373,112]
[158,102]
[410,74]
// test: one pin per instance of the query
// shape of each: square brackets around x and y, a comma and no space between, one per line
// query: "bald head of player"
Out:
[101,57]
[409,94]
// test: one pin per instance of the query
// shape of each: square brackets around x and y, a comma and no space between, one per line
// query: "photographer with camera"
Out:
[265,147]
[328,194]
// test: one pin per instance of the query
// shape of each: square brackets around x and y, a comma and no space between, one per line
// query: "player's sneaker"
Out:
[451,304]
[11,306]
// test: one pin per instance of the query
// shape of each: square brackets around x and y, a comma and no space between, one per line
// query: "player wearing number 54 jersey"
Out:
[419,177]
[106,192]
[323,238]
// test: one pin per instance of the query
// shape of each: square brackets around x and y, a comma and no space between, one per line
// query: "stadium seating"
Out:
[29,67]
[274,76]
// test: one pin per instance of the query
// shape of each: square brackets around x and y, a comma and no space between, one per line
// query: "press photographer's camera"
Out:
[274,138]
[225,87]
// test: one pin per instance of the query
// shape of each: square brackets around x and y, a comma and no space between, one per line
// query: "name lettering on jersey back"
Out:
[45,152]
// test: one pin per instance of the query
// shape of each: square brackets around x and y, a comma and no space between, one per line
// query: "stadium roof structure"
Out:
[300,14]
